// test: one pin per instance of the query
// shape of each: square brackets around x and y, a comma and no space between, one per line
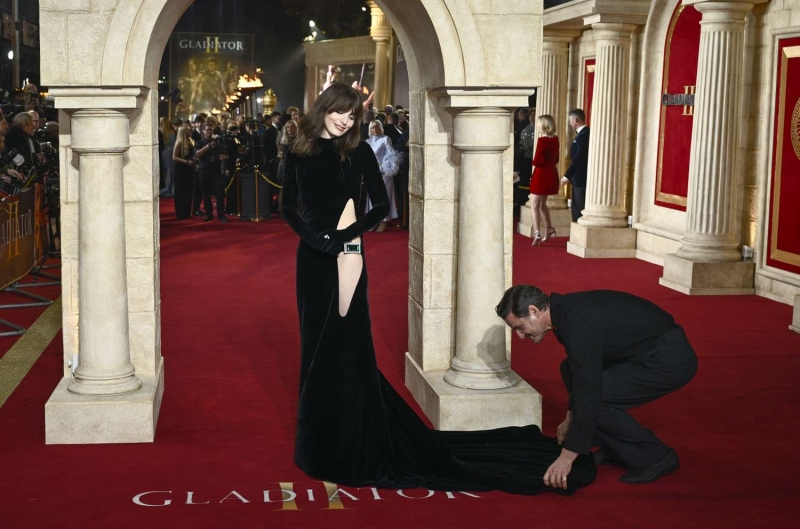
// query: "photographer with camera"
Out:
[210,156]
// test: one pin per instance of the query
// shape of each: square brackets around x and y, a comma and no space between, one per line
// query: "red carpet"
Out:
[230,342]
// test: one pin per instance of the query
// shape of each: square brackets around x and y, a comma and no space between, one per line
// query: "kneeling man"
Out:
[622,351]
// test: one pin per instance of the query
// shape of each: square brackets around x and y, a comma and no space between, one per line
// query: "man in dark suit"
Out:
[622,351]
[20,137]
[579,159]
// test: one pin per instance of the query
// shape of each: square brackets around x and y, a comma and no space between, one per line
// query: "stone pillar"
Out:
[100,139]
[552,99]
[106,401]
[603,230]
[381,32]
[480,362]
[708,260]
[481,135]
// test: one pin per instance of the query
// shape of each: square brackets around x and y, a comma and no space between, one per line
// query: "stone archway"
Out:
[100,61]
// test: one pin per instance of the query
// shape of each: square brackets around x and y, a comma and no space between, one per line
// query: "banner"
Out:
[205,68]
[783,241]
[681,53]
[17,220]
[589,67]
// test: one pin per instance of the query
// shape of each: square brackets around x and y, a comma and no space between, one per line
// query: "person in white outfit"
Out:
[389,161]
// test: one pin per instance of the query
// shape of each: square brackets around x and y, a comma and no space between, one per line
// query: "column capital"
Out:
[723,5]
[613,31]
[717,12]
[484,129]
[632,20]
[460,98]
[117,98]
[100,131]
[559,37]
[380,30]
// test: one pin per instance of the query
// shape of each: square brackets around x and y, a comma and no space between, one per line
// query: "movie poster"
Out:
[205,68]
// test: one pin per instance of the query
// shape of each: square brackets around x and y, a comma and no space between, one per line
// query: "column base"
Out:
[456,409]
[697,278]
[88,419]
[561,219]
[590,242]
[795,326]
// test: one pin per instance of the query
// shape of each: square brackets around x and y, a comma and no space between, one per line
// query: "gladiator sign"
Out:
[205,69]
[17,217]
[685,100]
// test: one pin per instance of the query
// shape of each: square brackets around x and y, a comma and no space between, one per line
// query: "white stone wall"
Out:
[771,21]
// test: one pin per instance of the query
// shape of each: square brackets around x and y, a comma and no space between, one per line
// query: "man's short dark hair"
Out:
[518,298]
[578,114]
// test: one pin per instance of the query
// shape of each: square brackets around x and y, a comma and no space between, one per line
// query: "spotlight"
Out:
[259,100]
[313,33]
[11,56]
[363,9]
[311,23]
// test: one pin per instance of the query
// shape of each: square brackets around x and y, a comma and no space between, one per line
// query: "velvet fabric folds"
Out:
[353,428]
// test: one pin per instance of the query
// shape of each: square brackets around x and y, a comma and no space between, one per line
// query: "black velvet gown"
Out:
[353,428]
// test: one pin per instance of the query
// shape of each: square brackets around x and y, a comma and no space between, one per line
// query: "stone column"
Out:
[481,135]
[552,99]
[381,32]
[107,400]
[479,390]
[708,260]
[603,230]
[100,139]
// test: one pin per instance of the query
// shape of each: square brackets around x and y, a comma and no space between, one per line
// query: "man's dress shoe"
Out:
[606,456]
[669,463]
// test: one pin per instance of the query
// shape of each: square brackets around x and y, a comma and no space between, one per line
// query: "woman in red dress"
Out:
[544,180]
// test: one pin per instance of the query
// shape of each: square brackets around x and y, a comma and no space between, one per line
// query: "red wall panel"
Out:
[783,240]
[681,52]
[588,88]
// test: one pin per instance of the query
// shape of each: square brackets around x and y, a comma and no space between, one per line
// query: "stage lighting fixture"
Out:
[311,23]
[11,56]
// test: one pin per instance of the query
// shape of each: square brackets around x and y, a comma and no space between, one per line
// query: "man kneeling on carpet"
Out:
[622,351]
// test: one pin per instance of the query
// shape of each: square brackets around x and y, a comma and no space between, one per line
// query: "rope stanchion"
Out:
[268,180]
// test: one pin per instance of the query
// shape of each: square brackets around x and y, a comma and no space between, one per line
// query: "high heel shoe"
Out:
[549,232]
[537,239]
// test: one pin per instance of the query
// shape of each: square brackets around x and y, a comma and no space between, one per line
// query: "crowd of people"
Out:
[28,141]
[199,159]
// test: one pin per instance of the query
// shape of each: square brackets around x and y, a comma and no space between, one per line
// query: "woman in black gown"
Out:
[352,427]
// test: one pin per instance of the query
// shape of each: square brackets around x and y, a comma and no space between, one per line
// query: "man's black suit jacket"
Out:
[271,145]
[579,156]
[17,139]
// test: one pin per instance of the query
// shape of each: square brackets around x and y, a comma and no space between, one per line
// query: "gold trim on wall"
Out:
[775,254]
[660,195]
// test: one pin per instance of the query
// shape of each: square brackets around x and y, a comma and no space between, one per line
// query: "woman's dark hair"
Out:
[518,298]
[336,98]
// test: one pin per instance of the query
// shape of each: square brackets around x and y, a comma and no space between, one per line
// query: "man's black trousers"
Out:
[665,364]
[578,202]
[213,182]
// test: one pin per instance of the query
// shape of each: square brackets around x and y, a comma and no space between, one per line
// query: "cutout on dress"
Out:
[350,264]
